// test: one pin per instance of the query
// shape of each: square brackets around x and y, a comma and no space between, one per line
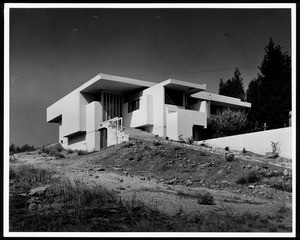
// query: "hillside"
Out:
[171,177]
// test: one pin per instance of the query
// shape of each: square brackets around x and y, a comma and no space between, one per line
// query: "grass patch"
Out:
[54,150]
[282,186]
[251,177]
[73,206]
[206,199]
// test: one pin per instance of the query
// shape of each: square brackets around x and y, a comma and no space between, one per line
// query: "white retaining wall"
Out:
[257,142]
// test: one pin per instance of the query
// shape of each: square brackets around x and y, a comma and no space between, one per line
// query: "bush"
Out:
[228,123]
[206,199]
[252,177]
[81,152]
[25,148]
[54,150]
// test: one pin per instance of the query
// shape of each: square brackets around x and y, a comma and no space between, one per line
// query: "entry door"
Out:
[103,138]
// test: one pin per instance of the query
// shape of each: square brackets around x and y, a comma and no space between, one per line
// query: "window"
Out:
[216,110]
[133,105]
[173,97]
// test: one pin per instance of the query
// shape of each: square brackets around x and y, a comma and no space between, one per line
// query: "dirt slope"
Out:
[170,176]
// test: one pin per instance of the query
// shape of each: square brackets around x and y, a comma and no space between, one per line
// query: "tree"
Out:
[233,87]
[270,93]
[228,123]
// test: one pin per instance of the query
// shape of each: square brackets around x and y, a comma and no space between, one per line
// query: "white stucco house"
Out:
[94,115]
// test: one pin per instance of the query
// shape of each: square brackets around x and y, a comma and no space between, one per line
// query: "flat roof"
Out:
[114,83]
[187,87]
[220,99]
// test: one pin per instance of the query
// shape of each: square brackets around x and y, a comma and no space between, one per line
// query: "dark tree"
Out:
[233,87]
[270,93]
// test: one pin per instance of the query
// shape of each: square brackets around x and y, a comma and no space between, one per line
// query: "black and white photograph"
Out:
[157,120]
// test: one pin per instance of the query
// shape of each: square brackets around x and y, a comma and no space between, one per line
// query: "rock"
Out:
[220,171]
[23,194]
[189,183]
[55,176]
[117,168]
[38,190]
[225,182]
[251,186]
[249,166]
[101,169]
[32,206]
[285,172]
[237,191]
[172,181]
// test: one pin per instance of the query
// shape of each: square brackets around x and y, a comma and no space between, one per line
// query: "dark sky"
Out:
[54,51]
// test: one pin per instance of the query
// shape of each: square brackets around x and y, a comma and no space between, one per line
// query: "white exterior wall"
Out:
[185,119]
[69,108]
[257,142]
[172,123]
[77,142]
[93,119]
[141,117]
[159,122]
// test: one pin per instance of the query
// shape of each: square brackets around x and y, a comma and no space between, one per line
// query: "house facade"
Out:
[94,115]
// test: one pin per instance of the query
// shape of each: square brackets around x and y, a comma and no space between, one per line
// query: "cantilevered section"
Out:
[219,99]
[114,83]
[187,87]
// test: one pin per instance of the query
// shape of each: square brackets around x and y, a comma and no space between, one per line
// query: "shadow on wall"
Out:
[76,139]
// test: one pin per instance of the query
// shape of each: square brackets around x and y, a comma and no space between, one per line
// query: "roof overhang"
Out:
[222,100]
[186,87]
[114,83]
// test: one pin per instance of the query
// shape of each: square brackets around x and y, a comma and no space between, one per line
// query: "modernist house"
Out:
[94,115]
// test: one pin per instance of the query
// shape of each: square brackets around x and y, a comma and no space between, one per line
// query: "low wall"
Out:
[257,142]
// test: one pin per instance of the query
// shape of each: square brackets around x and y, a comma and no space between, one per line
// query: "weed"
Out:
[287,187]
[252,177]
[244,151]
[70,151]
[275,149]
[54,150]
[206,199]
[190,140]
[202,153]
[181,140]
[226,148]
[81,152]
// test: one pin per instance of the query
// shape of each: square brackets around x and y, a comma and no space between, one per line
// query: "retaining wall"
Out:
[258,142]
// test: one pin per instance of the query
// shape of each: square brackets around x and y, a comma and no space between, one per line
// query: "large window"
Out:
[112,105]
[173,97]
[133,105]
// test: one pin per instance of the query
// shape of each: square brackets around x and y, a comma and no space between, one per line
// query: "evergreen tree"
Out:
[233,87]
[270,93]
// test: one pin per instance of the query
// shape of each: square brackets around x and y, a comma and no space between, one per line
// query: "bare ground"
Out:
[169,176]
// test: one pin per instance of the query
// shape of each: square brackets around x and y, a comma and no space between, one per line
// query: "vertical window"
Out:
[133,105]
